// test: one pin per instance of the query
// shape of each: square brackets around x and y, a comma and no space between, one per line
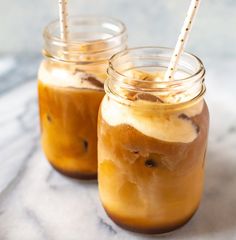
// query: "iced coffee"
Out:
[152,139]
[70,89]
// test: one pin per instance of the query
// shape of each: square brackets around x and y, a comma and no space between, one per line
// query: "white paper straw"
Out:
[63,16]
[182,40]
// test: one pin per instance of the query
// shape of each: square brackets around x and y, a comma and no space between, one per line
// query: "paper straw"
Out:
[63,16]
[182,40]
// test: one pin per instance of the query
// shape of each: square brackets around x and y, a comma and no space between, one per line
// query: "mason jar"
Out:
[70,89]
[152,140]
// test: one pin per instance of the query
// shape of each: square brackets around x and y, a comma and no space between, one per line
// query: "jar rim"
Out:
[128,86]
[200,69]
[95,19]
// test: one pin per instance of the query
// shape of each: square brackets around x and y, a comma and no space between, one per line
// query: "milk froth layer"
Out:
[65,77]
[172,126]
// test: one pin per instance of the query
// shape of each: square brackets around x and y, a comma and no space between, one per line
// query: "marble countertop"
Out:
[37,203]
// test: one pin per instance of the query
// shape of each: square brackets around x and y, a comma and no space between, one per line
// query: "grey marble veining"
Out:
[16,69]
[37,203]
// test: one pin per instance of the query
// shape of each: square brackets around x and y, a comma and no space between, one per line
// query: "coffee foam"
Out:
[169,128]
[61,77]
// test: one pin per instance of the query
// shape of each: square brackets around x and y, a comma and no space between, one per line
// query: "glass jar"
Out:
[152,140]
[70,89]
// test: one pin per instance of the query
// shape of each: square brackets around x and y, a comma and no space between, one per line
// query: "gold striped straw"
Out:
[182,40]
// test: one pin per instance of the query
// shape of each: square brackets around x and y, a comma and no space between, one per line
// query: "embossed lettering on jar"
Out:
[70,88]
[152,140]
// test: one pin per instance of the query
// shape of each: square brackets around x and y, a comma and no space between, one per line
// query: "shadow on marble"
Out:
[55,180]
[217,213]
[220,196]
